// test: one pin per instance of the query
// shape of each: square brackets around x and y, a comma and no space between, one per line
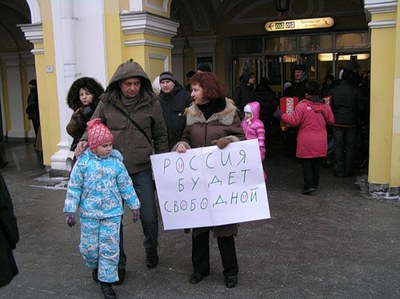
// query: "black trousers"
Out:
[345,147]
[290,141]
[144,187]
[311,172]
[201,254]
[36,123]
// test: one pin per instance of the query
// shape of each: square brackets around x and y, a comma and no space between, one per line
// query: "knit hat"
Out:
[98,134]
[300,67]
[204,68]
[167,76]
[247,109]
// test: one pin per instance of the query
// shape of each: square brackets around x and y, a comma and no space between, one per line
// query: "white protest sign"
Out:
[210,187]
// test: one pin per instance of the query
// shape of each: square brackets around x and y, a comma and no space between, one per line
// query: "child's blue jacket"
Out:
[97,185]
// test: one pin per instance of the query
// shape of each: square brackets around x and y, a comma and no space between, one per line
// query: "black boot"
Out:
[107,290]
[151,258]
[94,275]
[231,281]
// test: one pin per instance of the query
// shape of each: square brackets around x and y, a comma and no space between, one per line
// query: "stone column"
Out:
[384,162]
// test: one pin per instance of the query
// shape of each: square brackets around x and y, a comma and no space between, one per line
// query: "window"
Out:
[315,42]
[352,41]
[280,44]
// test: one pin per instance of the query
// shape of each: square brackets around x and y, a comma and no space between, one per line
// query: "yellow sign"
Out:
[299,24]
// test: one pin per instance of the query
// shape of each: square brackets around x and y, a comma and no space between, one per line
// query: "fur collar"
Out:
[225,117]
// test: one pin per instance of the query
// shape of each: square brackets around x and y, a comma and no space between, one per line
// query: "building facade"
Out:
[74,38]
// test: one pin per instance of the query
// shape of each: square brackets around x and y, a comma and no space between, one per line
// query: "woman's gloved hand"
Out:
[221,143]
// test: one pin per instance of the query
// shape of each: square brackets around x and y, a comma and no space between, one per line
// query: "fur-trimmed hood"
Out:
[90,84]
[225,117]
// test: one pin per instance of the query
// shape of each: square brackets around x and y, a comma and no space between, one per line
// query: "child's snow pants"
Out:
[99,246]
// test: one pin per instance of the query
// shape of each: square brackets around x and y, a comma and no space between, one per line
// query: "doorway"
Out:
[278,69]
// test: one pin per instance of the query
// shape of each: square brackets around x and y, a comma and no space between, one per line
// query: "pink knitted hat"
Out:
[98,134]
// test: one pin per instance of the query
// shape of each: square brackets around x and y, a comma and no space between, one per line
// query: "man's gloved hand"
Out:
[277,114]
[221,143]
[70,218]
[136,215]
[87,113]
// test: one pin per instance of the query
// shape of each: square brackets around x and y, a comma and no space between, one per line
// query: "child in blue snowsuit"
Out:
[98,184]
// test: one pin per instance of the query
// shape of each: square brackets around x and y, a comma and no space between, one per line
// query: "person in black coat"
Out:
[32,108]
[297,89]
[244,93]
[268,104]
[174,100]
[9,235]
[327,85]
[347,103]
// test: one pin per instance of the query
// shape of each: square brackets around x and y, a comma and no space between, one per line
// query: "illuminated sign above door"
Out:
[299,24]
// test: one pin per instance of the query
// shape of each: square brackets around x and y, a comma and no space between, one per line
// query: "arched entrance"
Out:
[17,69]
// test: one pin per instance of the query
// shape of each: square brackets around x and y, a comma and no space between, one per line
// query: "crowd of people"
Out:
[155,117]
[116,130]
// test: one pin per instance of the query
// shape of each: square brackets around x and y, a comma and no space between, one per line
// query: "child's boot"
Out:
[94,275]
[107,290]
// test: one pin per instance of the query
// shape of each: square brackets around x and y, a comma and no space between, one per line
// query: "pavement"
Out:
[340,243]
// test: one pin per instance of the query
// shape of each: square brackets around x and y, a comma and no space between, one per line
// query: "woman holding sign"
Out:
[212,119]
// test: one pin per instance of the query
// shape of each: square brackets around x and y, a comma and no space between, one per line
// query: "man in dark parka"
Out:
[130,93]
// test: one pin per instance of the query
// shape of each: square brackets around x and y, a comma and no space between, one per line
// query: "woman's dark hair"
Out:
[213,88]
[190,74]
[313,88]
[90,84]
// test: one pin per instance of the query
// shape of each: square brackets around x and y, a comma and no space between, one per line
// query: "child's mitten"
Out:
[70,218]
[136,215]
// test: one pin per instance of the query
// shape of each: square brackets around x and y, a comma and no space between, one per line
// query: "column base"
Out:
[61,161]
[384,188]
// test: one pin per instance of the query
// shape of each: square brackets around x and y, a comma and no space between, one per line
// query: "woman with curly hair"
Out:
[211,119]
[82,98]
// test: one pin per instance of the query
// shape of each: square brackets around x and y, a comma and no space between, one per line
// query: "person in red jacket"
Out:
[311,115]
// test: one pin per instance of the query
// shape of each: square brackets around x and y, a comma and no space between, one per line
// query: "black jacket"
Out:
[9,235]
[33,104]
[347,103]
[268,102]
[173,105]
[243,95]
[298,89]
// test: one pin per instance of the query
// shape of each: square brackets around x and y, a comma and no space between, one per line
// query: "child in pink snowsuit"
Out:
[253,127]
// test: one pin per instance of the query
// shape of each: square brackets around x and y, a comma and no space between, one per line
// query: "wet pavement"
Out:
[340,243]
